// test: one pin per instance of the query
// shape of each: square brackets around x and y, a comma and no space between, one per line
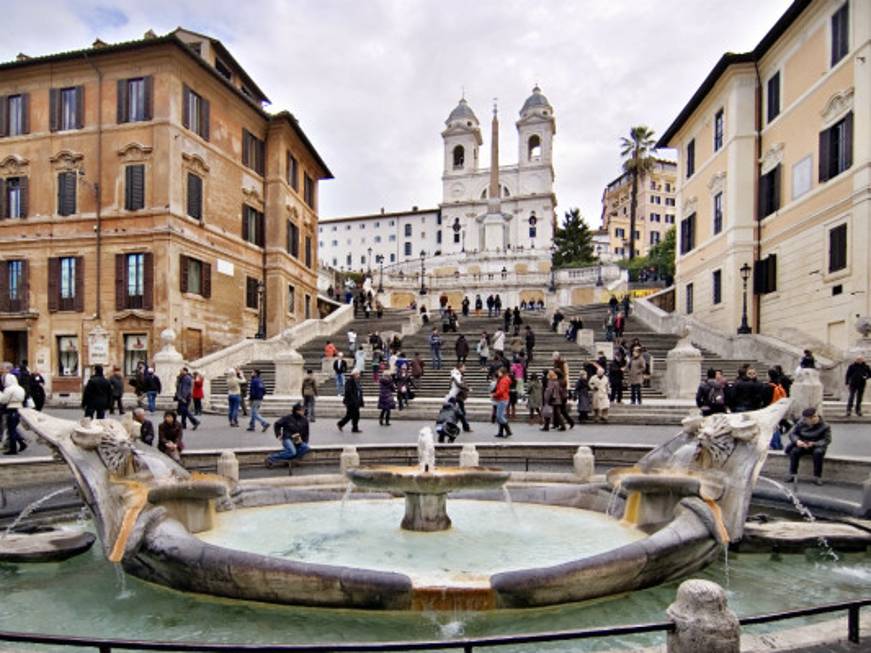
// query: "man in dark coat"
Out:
[293,430]
[530,343]
[857,374]
[810,435]
[184,389]
[97,396]
[353,400]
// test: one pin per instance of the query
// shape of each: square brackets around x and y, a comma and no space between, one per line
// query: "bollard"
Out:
[469,456]
[349,458]
[228,466]
[584,463]
[702,620]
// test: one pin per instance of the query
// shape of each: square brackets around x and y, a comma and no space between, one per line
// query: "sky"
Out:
[372,81]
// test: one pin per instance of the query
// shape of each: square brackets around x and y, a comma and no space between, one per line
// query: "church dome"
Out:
[536,102]
[462,113]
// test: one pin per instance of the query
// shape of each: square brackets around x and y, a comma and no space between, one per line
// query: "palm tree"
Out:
[636,150]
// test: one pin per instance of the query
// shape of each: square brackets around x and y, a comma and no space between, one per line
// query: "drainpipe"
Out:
[757,229]
[98,191]
[265,304]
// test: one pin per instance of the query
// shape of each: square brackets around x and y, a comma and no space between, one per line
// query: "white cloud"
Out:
[372,82]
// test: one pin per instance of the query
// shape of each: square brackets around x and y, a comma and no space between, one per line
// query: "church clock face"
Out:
[456,226]
[457,189]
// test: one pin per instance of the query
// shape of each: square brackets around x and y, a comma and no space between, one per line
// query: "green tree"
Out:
[638,160]
[573,242]
[660,258]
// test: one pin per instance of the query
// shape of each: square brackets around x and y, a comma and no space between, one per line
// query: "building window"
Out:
[13,197]
[407,230]
[838,248]
[691,158]
[348,260]
[251,292]
[134,187]
[836,148]
[195,196]
[308,251]
[769,192]
[717,286]
[135,352]
[291,294]
[66,193]
[293,239]
[689,296]
[408,249]
[669,218]
[840,33]
[652,185]
[134,102]
[773,96]
[718,130]
[669,201]
[14,295]
[765,275]
[533,231]
[377,239]
[223,69]
[718,213]
[292,172]
[393,258]
[308,306]
[667,187]
[68,356]
[15,120]
[654,237]
[195,113]
[688,234]
[309,191]
[335,243]
[459,156]
[391,238]
[67,108]
[252,225]
[196,277]
[655,217]
[253,152]
[135,279]
[68,279]
[619,232]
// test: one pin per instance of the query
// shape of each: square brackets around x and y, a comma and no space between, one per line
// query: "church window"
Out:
[407,249]
[408,230]
[459,157]
[534,147]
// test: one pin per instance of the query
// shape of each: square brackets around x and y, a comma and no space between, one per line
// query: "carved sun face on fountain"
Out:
[718,436]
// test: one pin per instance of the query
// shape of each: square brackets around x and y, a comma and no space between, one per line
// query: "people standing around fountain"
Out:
[635,372]
[170,436]
[534,398]
[184,388]
[146,428]
[340,369]
[153,387]
[199,393]
[293,430]
[353,400]
[552,402]
[711,393]
[490,303]
[386,401]
[479,304]
[600,390]
[499,342]
[459,392]
[810,436]
[435,348]
[501,395]
[857,374]
[234,397]
[97,397]
[11,401]
[256,392]
[582,396]
[461,347]
[483,350]
[309,392]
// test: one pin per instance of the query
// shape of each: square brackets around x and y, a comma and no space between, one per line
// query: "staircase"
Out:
[267,375]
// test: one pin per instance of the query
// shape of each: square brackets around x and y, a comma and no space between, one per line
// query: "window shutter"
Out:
[4,287]
[4,210]
[24,191]
[245,138]
[185,107]
[134,192]
[261,236]
[183,277]
[53,284]
[204,118]
[80,107]
[771,285]
[763,193]
[244,222]
[25,285]
[121,101]
[207,279]
[25,113]
[54,109]
[148,282]
[4,118]
[261,154]
[824,155]
[128,188]
[775,194]
[79,305]
[195,196]
[120,282]
[149,97]
[758,270]
[848,140]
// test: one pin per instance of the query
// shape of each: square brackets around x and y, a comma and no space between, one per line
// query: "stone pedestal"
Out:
[288,373]
[426,512]
[168,363]
[349,458]
[806,392]
[584,463]
[587,339]
[703,621]
[683,370]
[469,456]
[327,366]
[228,466]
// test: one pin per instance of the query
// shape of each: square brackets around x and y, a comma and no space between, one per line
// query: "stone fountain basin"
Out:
[194,490]
[44,544]
[410,480]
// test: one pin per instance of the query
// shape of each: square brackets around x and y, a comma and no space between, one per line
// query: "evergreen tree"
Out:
[573,242]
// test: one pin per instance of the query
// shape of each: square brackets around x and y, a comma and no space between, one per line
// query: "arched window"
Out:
[534,147]
[533,229]
[459,157]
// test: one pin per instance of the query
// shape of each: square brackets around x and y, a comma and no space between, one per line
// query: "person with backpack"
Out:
[711,394]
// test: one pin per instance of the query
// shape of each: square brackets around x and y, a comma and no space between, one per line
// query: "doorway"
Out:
[14,346]
[193,344]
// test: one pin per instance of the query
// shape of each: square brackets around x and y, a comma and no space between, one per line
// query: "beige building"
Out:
[655,213]
[774,160]
[144,187]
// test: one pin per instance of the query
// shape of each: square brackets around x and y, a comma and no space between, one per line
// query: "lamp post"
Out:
[745,275]
[379,259]
[552,286]
[599,281]
[422,272]
[261,315]
[369,262]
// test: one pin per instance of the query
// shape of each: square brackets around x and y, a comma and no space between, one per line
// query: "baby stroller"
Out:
[447,421]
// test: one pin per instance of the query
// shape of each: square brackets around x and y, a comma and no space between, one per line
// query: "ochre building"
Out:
[144,187]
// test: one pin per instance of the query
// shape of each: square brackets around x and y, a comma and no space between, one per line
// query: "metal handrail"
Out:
[467,645]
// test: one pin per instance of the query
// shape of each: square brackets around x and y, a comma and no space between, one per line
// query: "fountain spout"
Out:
[426,450]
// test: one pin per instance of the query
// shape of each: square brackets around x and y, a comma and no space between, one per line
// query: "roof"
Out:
[461,112]
[729,59]
[291,120]
[375,216]
[535,101]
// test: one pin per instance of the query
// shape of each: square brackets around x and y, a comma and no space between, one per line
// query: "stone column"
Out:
[288,373]
[703,620]
[806,392]
[167,363]
[584,463]
[469,456]
[228,466]
[349,458]
[683,370]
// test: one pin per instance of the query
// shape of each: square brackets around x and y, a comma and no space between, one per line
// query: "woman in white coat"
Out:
[600,390]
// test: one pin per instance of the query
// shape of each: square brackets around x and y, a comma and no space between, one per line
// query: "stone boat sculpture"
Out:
[690,497]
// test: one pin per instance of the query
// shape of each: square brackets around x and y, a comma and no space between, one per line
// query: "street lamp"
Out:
[261,321]
[379,259]
[745,275]
[369,262]
[422,272]
[552,287]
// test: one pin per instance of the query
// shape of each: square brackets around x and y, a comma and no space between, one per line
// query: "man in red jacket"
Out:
[500,396]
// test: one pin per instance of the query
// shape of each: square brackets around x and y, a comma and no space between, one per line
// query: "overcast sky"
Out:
[372,81]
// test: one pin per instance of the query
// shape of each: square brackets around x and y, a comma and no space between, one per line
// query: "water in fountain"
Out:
[32,507]
[158,468]
[121,577]
[806,514]
[345,497]
[507,496]
[612,500]
[426,450]
[726,565]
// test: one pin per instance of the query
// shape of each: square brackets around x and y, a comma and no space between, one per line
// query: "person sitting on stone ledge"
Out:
[169,436]
[146,428]
[810,435]
[293,430]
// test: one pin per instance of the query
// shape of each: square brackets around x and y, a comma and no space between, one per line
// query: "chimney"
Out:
[414,209]
[382,210]
[22,57]
[150,34]
[99,43]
